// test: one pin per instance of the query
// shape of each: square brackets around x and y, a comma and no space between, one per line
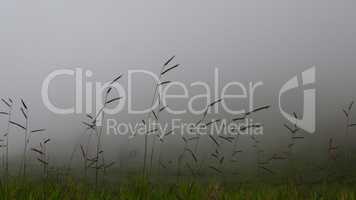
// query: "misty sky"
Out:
[269,41]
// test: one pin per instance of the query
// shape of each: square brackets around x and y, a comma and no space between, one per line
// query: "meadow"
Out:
[138,188]
[192,174]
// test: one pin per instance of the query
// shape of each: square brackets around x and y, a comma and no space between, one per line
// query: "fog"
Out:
[248,41]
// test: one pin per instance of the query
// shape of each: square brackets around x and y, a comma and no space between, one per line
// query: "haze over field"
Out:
[248,41]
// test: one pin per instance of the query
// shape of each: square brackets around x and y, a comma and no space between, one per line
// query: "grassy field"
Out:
[138,188]
[205,166]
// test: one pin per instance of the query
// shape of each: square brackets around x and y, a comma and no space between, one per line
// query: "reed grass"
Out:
[59,183]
